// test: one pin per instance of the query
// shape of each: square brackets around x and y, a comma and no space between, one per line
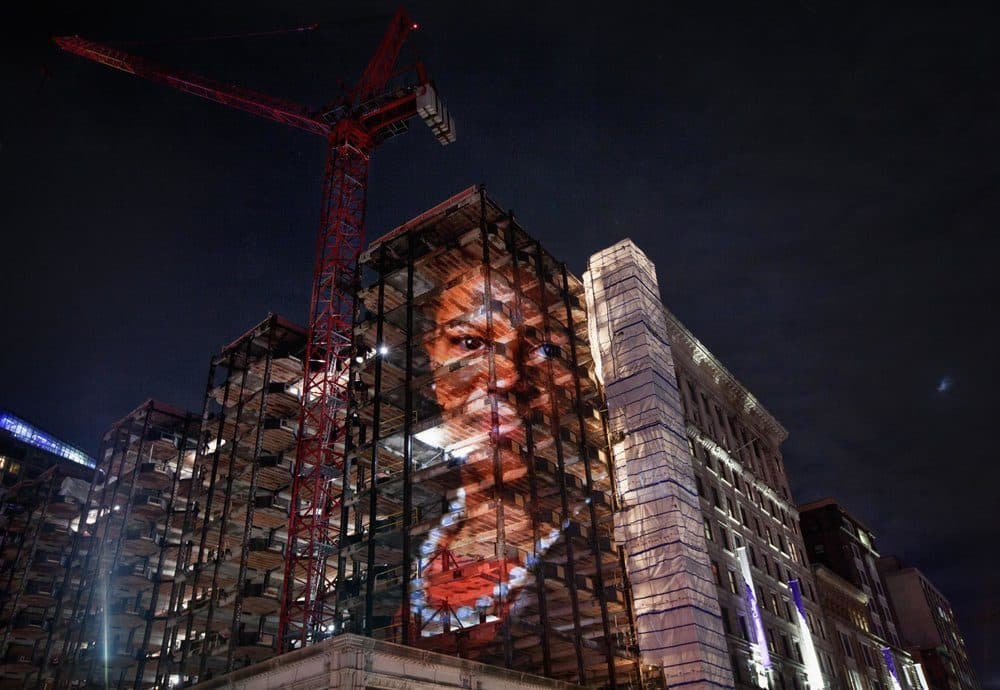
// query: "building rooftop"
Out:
[28,433]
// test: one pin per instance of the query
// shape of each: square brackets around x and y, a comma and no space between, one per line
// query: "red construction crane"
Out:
[369,114]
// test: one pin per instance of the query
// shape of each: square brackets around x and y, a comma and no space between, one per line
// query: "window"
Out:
[753,556]
[8,465]
[708,530]
[731,509]
[715,498]
[845,642]
[734,583]
[701,486]
[716,575]
[725,538]
[743,517]
[867,654]
[741,619]
[727,626]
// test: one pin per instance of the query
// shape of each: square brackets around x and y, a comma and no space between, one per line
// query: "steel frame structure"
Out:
[540,504]
[176,574]
[353,127]
[110,616]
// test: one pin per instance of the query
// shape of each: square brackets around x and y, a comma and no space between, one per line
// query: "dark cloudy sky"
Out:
[816,182]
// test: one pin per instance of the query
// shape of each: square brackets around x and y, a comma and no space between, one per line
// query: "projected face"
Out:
[508,336]
[492,355]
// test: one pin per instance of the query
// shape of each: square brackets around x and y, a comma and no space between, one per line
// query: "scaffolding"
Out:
[224,613]
[165,568]
[123,562]
[474,507]
[36,523]
[477,490]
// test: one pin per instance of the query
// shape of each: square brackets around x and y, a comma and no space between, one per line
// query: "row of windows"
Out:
[849,645]
[778,605]
[742,674]
[789,646]
[731,541]
[739,514]
[744,444]
[757,498]
[9,466]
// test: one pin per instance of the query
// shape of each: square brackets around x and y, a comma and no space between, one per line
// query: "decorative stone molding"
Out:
[709,366]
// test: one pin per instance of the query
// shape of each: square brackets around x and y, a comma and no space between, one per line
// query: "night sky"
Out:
[816,183]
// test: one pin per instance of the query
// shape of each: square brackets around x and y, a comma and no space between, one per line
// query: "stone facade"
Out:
[717,472]
[351,662]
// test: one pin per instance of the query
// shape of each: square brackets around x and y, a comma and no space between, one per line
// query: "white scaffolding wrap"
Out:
[678,619]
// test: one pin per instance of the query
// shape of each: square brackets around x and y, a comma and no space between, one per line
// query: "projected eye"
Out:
[469,343]
[549,350]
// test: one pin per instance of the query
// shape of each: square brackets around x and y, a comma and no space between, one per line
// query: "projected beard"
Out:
[490,368]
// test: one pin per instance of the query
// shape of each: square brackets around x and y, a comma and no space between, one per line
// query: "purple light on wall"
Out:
[809,657]
[891,665]
[761,653]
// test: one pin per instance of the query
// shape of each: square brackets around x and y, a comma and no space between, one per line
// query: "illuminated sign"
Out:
[22,431]
[813,671]
[761,655]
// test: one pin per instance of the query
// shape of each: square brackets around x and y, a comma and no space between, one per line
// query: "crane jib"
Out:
[353,129]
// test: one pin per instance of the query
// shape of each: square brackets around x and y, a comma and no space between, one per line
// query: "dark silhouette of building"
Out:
[928,627]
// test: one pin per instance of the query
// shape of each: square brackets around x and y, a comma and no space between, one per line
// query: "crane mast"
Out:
[353,127]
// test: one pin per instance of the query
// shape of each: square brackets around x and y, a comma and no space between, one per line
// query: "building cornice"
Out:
[840,584]
[737,468]
[709,365]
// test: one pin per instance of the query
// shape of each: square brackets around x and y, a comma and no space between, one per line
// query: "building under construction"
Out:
[543,474]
